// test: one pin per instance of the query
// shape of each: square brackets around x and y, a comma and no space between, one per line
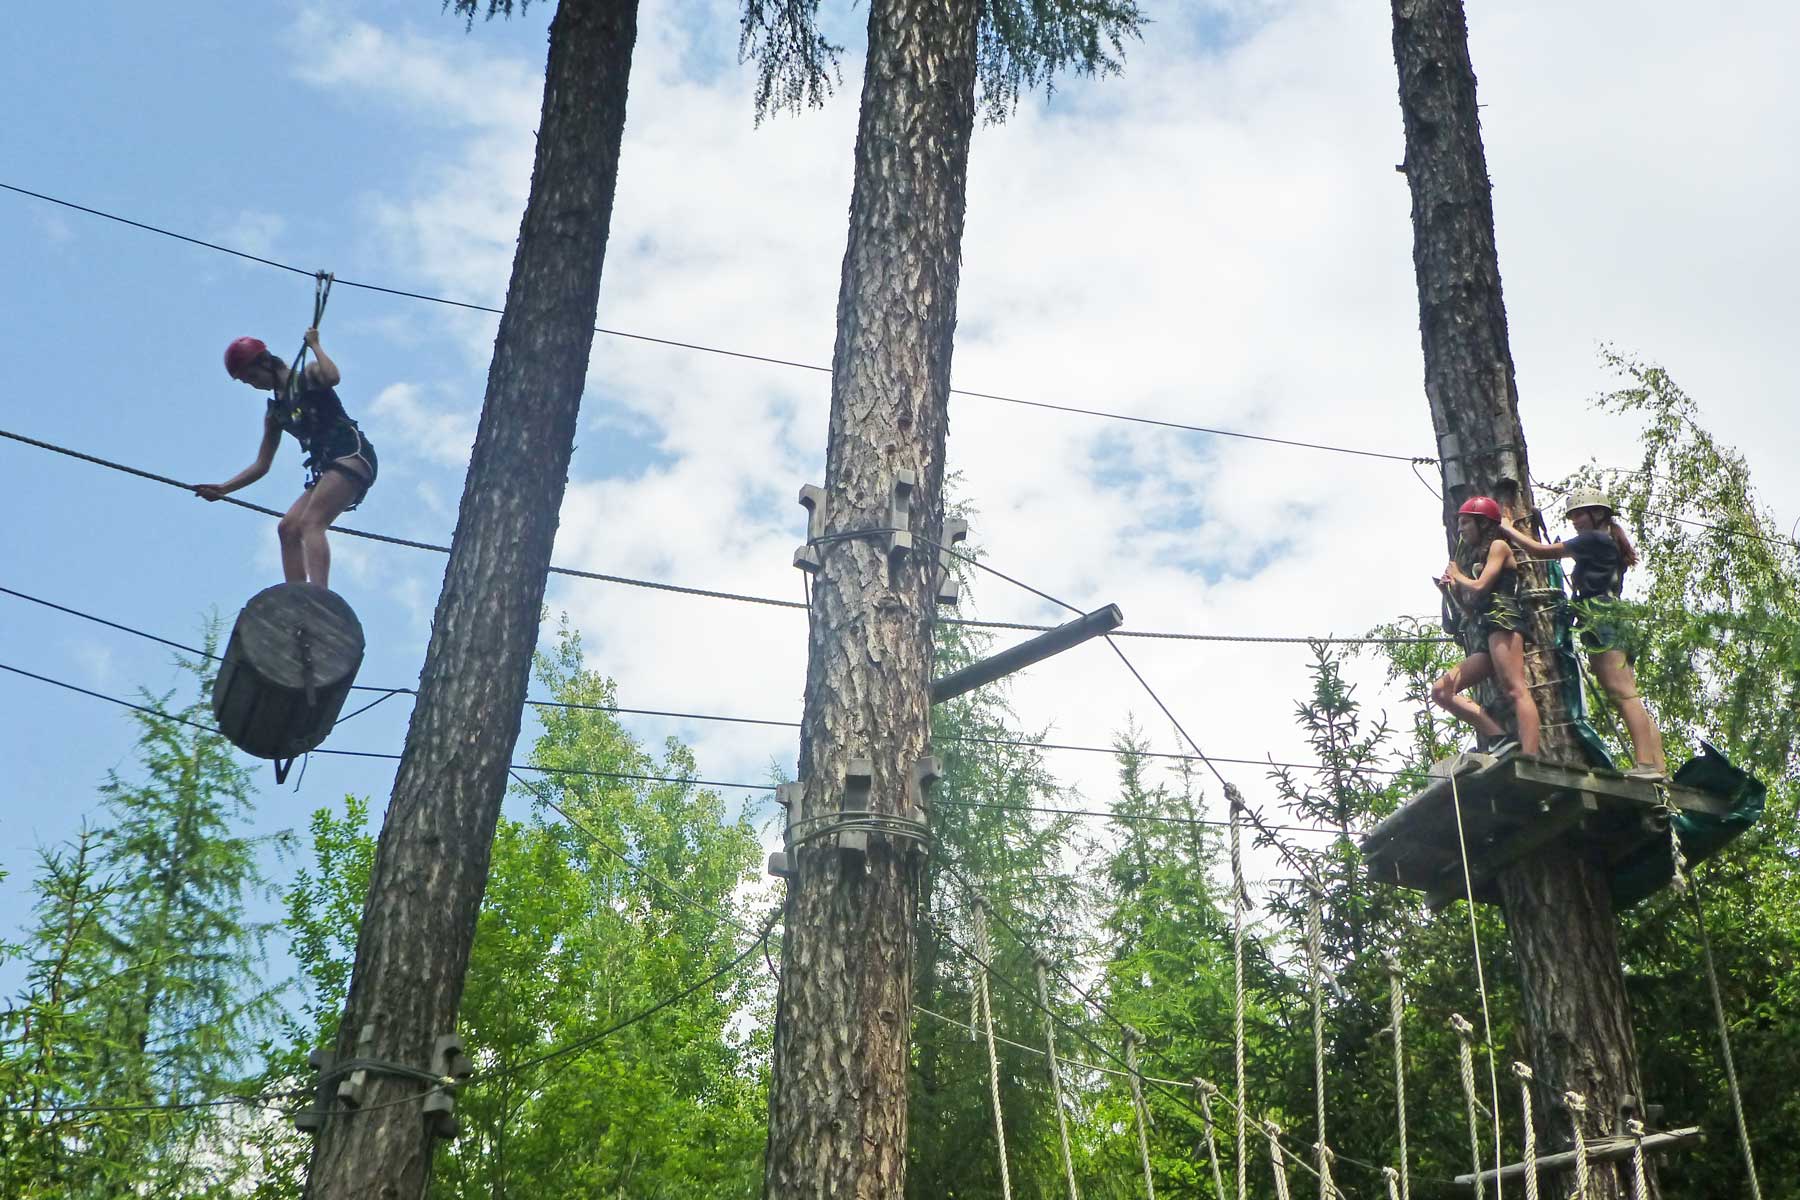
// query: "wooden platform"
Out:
[1511,808]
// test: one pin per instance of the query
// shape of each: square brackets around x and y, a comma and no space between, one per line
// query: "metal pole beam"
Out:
[1095,624]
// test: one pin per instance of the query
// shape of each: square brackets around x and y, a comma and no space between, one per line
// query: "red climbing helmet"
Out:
[1480,506]
[241,353]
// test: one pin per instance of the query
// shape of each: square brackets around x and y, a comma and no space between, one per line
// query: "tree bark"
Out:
[838,1098]
[431,863]
[1557,907]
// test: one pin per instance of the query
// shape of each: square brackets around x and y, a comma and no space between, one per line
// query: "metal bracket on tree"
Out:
[948,589]
[812,499]
[899,538]
[786,861]
[452,1066]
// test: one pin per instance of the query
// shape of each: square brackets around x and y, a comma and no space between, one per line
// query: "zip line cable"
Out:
[632,777]
[1021,743]
[1414,460]
[725,353]
[705,593]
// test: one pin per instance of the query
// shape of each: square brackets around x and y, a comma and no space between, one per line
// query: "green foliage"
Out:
[613,896]
[1022,45]
[142,994]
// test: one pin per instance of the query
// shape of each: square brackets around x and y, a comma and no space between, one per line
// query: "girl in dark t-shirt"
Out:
[339,459]
[1601,554]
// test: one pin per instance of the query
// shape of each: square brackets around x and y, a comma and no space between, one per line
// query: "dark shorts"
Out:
[1504,614]
[348,443]
[1603,626]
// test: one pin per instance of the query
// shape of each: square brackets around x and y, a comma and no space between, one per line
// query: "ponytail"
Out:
[1627,555]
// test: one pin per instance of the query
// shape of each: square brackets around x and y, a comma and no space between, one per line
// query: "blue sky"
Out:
[1216,237]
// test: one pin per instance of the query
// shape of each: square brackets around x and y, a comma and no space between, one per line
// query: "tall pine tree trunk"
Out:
[432,861]
[1558,910]
[838,1100]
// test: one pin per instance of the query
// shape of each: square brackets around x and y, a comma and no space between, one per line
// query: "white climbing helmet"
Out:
[1587,498]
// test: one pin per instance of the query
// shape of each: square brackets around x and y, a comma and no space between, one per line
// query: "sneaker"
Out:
[1503,746]
[1648,773]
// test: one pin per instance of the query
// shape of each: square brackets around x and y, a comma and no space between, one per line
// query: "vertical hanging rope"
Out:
[1487,1024]
[1578,1109]
[1132,1037]
[1718,1000]
[1523,1073]
[1640,1189]
[1397,1007]
[1062,1118]
[1206,1091]
[1466,1059]
[1281,1179]
[1391,1177]
[1678,873]
[1237,974]
[1314,953]
[984,951]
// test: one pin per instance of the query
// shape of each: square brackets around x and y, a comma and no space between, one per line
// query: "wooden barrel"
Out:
[289,665]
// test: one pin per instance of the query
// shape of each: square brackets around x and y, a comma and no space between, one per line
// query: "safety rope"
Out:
[1132,1037]
[1731,1079]
[296,379]
[1640,1187]
[1062,1118]
[1578,1109]
[1466,1059]
[984,952]
[1281,1179]
[1237,974]
[1314,952]
[1487,1025]
[1391,1177]
[1523,1073]
[1397,1009]
[1206,1091]
[1678,872]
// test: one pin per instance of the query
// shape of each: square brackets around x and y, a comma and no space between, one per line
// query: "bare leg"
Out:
[334,492]
[1447,694]
[1620,681]
[290,531]
[1508,652]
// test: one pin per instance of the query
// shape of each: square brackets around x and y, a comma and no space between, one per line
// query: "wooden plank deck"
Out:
[1511,808]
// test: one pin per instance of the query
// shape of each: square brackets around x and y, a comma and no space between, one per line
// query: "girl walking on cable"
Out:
[1483,580]
[1602,553]
[340,461]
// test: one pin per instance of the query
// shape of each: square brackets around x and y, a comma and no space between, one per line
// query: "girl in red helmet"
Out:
[1483,579]
[340,461]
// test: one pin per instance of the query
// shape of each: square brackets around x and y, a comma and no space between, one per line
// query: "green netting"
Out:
[1702,834]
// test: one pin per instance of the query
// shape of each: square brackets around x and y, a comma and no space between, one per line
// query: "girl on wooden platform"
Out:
[1483,580]
[1602,553]
[340,461]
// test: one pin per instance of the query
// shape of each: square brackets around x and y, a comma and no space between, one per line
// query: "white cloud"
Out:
[436,428]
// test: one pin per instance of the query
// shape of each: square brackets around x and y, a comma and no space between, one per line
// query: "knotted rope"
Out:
[1281,1179]
[1523,1073]
[1132,1037]
[1062,1118]
[1397,1008]
[1206,1091]
[1465,1055]
[1718,1000]
[984,952]
[1578,1109]
[1640,1189]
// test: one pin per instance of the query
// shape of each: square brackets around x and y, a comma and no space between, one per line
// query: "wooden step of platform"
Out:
[1512,807]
